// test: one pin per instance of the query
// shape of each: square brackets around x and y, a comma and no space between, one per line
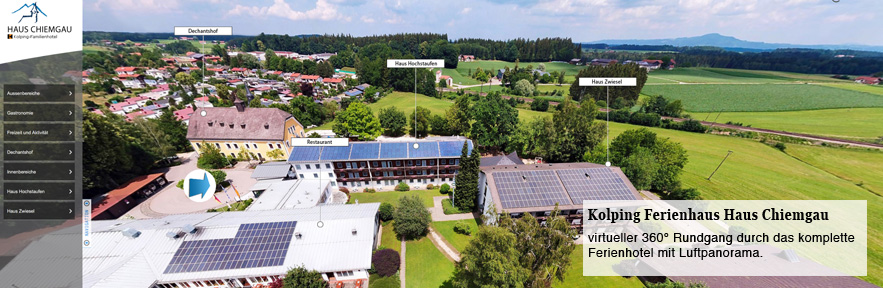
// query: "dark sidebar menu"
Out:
[40,129]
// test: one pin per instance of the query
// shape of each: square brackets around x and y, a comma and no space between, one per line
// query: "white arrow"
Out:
[69,171]
[69,132]
[69,113]
[70,211]
[70,191]
[70,93]
[69,152]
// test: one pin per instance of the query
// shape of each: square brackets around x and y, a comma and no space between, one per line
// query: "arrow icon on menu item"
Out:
[70,211]
[69,132]
[69,171]
[69,152]
[70,93]
[70,191]
[69,113]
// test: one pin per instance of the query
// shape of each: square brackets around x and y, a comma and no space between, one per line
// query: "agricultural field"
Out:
[95,49]
[763,97]
[731,76]
[756,171]
[873,89]
[853,124]
[458,78]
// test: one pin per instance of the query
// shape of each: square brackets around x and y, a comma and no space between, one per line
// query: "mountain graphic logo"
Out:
[33,11]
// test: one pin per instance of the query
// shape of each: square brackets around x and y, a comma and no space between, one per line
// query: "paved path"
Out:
[438,213]
[443,246]
[402,269]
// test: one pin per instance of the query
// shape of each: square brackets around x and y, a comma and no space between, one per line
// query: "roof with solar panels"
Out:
[439,147]
[138,253]
[539,187]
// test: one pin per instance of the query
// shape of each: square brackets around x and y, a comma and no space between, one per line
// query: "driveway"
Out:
[171,199]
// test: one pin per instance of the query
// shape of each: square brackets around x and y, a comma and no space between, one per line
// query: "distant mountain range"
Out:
[729,42]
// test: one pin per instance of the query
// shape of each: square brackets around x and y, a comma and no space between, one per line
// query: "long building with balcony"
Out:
[381,165]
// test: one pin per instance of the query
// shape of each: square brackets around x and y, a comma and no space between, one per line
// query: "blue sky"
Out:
[781,21]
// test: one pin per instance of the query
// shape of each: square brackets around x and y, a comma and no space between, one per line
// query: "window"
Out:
[344,273]
[235,145]
[327,166]
[431,162]
[198,146]
[301,176]
[410,163]
[218,145]
[259,155]
[233,155]
[331,175]
[333,184]
[398,163]
[339,165]
[378,182]
[348,165]
[270,144]
[315,175]
[411,180]
[278,146]
[308,166]
[228,145]
[297,166]
[364,174]
[366,183]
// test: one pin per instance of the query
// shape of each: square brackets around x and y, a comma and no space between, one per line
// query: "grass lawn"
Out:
[858,166]
[459,241]
[405,101]
[377,281]
[562,90]
[392,197]
[389,239]
[763,97]
[449,208]
[574,276]
[95,49]
[839,123]
[486,88]
[425,266]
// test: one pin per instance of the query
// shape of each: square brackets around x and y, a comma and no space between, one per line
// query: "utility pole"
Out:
[719,165]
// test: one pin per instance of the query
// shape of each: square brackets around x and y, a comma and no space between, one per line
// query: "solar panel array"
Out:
[379,150]
[424,150]
[335,153]
[304,153]
[365,151]
[519,189]
[255,245]
[451,148]
[594,184]
[394,150]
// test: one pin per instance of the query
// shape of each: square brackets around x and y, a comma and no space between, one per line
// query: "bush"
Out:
[370,190]
[386,262]
[411,218]
[403,187]
[445,189]
[645,119]
[220,176]
[386,211]
[430,186]
[180,184]
[540,105]
[683,194]
[780,146]
[462,228]
[621,116]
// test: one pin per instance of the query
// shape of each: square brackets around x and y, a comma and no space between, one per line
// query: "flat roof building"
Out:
[289,194]
[382,164]
[538,188]
[228,249]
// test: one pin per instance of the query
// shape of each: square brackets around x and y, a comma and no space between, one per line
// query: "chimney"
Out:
[240,105]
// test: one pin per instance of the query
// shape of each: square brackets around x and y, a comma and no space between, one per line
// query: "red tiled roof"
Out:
[124,69]
[125,190]
[310,77]
[184,114]
[332,80]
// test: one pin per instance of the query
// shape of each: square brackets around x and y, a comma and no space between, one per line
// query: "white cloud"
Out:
[466,10]
[841,18]
[367,19]
[322,11]
[133,5]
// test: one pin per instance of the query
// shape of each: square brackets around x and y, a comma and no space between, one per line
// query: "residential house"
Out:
[576,61]
[145,114]
[259,130]
[122,108]
[602,62]
[125,70]
[183,115]
[467,58]
[335,83]
[867,80]
[311,79]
